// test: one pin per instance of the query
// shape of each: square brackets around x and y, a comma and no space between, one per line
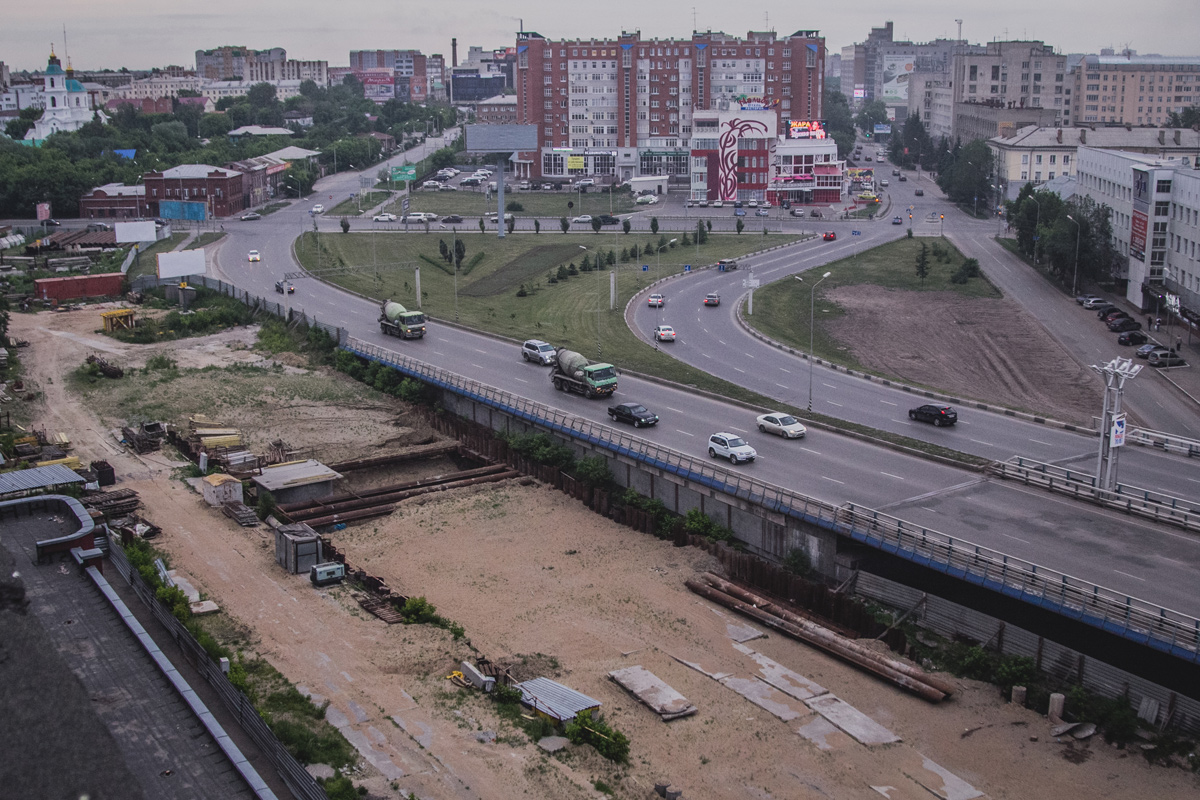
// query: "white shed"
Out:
[220,489]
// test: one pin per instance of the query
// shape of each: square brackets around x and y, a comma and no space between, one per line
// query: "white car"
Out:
[731,446]
[752,204]
[717,204]
[318,209]
[431,185]
[584,219]
[657,301]
[664,333]
[384,217]
[254,256]
[783,425]
[419,216]
[647,200]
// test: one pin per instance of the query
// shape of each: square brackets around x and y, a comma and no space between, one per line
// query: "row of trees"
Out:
[1052,231]
[70,164]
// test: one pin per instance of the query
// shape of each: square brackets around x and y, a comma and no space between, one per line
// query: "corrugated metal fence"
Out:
[951,619]
[293,773]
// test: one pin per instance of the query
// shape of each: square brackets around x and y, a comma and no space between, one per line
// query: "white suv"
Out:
[731,446]
[537,351]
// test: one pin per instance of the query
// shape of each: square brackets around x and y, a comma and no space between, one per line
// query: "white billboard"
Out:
[131,232]
[896,72]
[181,264]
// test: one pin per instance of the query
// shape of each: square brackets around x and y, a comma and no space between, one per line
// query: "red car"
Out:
[830,236]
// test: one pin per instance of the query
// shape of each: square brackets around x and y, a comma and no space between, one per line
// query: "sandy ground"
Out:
[539,582]
[989,350]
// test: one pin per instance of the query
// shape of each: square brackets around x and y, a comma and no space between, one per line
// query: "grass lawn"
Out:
[468,202]
[494,270]
[778,306]
[357,205]
[205,239]
[147,262]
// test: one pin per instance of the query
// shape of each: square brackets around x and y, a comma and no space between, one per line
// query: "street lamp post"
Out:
[1037,222]
[658,254]
[1075,275]
[812,309]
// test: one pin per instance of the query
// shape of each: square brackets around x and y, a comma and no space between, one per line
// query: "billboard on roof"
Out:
[897,70]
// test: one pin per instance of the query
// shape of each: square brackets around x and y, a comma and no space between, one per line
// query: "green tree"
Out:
[741,224]
[564,223]
[596,224]
[261,95]
[1188,118]
[444,250]
[442,158]
[537,226]
[923,263]
[654,224]
[839,121]
[460,252]
[212,125]
[872,114]
[625,226]
[967,179]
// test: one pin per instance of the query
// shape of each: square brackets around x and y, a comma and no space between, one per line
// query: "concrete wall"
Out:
[762,532]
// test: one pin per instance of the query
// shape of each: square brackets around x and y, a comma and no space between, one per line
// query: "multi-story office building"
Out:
[1012,74]
[882,68]
[624,106]
[1155,219]
[287,70]
[1128,89]
[161,86]
[498,110]
[230,62]
[408,69]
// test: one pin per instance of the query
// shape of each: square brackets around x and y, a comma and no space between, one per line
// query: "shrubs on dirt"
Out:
[606,740]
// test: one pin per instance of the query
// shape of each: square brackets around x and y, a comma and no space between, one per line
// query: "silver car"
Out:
[537,351]
[784,425]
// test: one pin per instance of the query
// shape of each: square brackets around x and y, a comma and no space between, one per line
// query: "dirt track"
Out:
[528,572]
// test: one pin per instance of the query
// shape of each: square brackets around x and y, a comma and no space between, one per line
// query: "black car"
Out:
[1122,324]
[1132,338]
[284,287]
[1145,350]
[634,413]
[920,193]
[50,223]
[1103,311]
[453,219]
[938,415]
[608,219]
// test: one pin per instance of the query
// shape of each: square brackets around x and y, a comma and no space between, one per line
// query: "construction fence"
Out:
[303,785]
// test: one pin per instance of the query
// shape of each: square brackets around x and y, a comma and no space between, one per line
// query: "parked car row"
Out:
[1131,333]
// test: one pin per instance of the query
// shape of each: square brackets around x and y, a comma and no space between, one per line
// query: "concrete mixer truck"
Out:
[572,372]
[396,320]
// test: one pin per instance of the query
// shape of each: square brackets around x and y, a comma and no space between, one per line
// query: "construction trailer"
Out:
[297,481]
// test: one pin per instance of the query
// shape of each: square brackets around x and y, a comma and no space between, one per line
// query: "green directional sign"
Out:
[407,172]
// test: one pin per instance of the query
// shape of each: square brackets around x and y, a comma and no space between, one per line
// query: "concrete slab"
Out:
[782,678]
[823,733]
[711,672]
[939,780]
[864,729]
[204,607]
[737,630]
[552,744]
[419,731]
[766,697]
[185,586]
[654,692]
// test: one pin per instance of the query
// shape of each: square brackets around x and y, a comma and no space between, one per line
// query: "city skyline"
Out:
[98,39]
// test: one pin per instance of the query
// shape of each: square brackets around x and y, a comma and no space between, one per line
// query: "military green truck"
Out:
[396,320]
[572,372]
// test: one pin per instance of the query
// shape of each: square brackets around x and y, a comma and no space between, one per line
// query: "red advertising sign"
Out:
[43,211]
[1137,235]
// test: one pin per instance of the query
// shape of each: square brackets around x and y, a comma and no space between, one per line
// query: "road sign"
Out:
[404,204]
[856,233]
[687,267]
[645,267]
[405,172]
[1117,435]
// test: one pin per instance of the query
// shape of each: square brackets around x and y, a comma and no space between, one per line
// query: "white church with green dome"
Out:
[67,106]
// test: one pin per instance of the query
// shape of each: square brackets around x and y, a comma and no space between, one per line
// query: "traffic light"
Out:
[943,217]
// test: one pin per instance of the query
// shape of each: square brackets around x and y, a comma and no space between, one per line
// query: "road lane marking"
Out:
[890,475]
[482,352]
[741,430]
[830,385]
[1015,538]
[980,441]
[835,480]
[1127,575]
[676,410]
[930,510]
[889,403]
[522,380]
[781,386]
[740,370]
[788,371]
[476,366]
[839,405]
[685,433]
[810,450]
[1039,441]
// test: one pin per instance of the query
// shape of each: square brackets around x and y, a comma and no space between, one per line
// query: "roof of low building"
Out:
[1116,137]
[197,171]
[219,479]
[260,130]
[121,190]
[555,700]
[28,480]
[293,474]
[293,153]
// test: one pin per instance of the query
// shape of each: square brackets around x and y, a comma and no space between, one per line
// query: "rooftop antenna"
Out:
[693,18]
[959,21]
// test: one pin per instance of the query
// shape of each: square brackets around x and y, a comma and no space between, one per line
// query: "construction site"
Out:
[307,512]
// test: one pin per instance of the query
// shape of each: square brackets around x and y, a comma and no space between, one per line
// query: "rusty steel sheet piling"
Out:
[826,643]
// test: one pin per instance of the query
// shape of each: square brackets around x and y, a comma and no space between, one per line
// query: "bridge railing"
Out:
[1123,615]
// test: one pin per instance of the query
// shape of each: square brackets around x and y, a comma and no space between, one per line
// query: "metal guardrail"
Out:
[1157,506]
[1164,441]
[1126,616]
[1169,631]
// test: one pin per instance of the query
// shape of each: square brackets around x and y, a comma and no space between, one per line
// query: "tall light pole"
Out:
[658,253]
[812,316]
[1112,420]
[1075,276]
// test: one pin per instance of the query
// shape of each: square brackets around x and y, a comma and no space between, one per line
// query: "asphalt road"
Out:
[1151,562]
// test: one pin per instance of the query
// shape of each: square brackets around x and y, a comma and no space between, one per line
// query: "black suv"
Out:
[938,415]
[608,219]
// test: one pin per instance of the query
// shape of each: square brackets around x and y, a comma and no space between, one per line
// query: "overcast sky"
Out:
[140,34]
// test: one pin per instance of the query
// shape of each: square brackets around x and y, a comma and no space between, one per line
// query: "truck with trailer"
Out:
[572,372]
[396,320]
